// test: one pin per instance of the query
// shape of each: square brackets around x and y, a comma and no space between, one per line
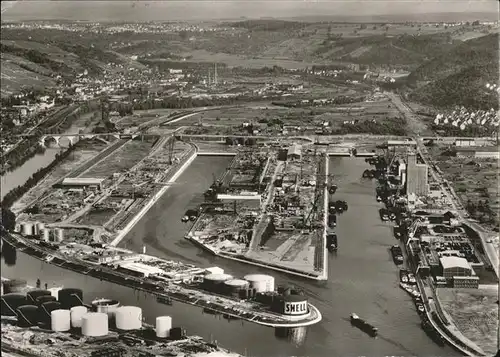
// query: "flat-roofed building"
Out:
[416,177]
[455,266]
[82,182]
[401,143]
[479,152]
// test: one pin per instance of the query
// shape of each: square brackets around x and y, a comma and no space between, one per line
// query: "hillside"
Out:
[459,76]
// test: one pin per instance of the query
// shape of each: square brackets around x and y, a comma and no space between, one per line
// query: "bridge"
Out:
[74,138]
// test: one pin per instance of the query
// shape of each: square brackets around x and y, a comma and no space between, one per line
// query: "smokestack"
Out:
[209,79]
[215,73]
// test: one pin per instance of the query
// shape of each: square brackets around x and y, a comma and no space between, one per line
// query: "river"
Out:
[362,276]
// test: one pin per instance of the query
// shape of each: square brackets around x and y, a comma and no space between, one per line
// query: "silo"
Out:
[35,228]
[55,292]
[59,235]
[10,303]
[39,228]
[163,326]
[60,320]
[77,313]
[26,229]
[106,306]
[215,282]
[45,310]
[45,234]
[14,286]
[27,315]
[45,298]
[95,324]
[260,282]
[233,287]
[17,228]
[70,297]
[129,318]
[32,295]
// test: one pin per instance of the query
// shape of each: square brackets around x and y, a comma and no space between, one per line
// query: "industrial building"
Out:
[294,152]
[416,177]
[82,183]
[401,143]
[458,272]
[479,152]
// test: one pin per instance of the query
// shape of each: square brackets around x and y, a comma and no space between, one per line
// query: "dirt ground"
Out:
[475,313]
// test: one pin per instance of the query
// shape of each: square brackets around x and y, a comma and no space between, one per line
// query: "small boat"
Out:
[411,279]
[379,199]
[363,325]
[420,308]
[332,189]
[164,300]
[185,219]
[404,279]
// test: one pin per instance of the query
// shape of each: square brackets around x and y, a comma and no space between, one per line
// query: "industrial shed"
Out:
[294,152]
[82,182]
[455,266]
[479,152]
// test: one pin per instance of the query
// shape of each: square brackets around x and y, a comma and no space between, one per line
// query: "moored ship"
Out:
[363,325]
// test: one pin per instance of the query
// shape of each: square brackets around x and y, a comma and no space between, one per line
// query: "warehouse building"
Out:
[294,152]
[82,182]
[458,272]
[479,152]
[416,177]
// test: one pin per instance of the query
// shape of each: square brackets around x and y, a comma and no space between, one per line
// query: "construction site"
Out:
[268,209]
[99,197]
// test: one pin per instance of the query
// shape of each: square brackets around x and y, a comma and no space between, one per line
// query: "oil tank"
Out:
[260,282]
[95,324]
[35,228]
[59,235]
[163,326]
[60,320]
[106,306]
[14,286]
[77,313]
[233,287]
[27,315]
[45,298]
[45,234]
[70,297]
[10,303]
[39,228]
[32,295]
[215,282]
[45,310]
[55,292]
[26,229]
[17,228]
[129,318]
[292,305]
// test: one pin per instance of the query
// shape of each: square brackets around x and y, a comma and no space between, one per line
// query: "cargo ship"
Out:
[331,241]
[397,254]
[252,298]
[363,325]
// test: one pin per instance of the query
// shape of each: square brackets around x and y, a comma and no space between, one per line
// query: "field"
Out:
[121,160]
[83,152]
[15,77]
[97,217]
[475,182]
[143,116]
[475,313]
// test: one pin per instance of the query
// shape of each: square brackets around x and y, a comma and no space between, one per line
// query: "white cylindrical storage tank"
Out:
[260,282]
[59,234]
[95,324]
[163,326]
[106,306]
[26,229]
[128,318]
[35,228]
[17,228]
[39,227]
[45,234]
[55,292]
[77,312]
[60,320]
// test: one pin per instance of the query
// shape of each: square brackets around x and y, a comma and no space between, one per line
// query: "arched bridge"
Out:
[72,139]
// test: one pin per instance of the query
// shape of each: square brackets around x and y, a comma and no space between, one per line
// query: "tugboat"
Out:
[332,189]
[363,325]
[332,242]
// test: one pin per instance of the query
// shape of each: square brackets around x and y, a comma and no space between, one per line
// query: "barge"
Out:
[174,281]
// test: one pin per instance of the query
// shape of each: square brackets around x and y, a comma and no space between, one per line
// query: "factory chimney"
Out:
[215,73]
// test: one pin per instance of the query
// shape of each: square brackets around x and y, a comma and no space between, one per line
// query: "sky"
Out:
[168,10]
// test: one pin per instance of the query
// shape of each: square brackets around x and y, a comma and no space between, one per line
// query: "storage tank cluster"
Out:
[106,306]
[291,305]
[215,282]
[128,318]
[260,282]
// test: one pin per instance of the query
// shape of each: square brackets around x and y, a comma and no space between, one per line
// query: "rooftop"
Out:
[82,181]
[454,262]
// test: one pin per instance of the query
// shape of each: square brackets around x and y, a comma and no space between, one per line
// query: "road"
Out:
[416,127]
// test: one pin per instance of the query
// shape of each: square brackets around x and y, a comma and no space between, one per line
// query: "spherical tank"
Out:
[260,282]
[95,324]
[26,229]
[14,286]
[214,282]
[77,312]
[45,234]
[60,320]
[32,295]
[10,303]
[55,292]
[59,234]
[106,306]
[234,286]
[129,318]
[45,298]
[27,315]
[70,297]
[45,310]
[163,326]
